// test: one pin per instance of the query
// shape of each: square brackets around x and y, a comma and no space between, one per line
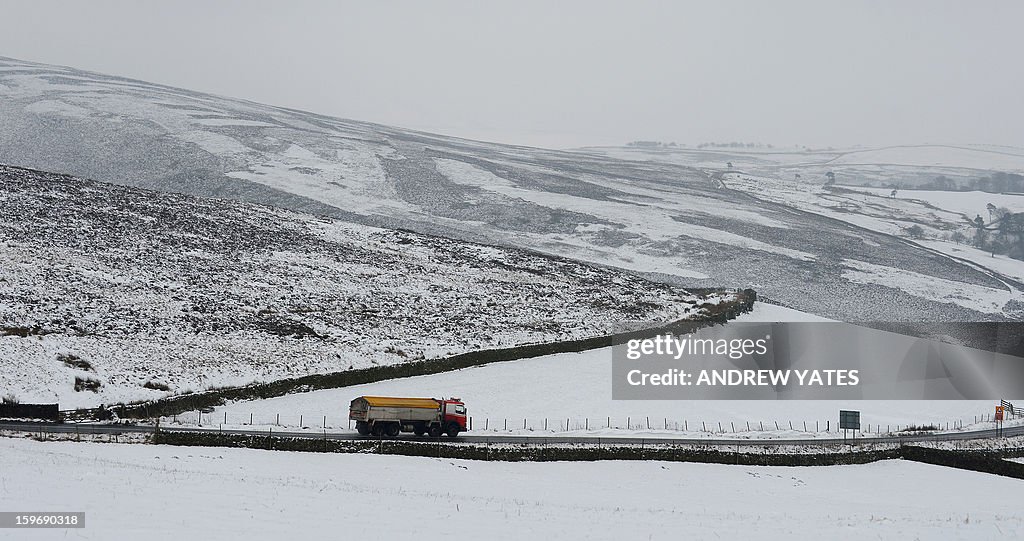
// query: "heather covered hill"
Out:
[110,288]
[671,221]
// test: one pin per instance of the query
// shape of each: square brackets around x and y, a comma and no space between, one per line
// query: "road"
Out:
[120,429]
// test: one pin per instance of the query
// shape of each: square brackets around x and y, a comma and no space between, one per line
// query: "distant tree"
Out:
[980,239]
[915,231]
[893,193]
[941,182]
[728,164]
[796,176]
[1011,223]
[979,222]
[991,212]
[1011,233]
[985,184]
[1015,183]
[958,237]
[997,246]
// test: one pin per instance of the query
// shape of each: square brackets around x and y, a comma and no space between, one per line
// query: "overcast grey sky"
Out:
[563,74]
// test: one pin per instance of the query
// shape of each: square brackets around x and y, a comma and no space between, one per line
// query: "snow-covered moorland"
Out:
[135,492]
[650,213]
[127,287]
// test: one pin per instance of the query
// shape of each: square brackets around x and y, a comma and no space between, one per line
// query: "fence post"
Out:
[250,418]
[225,417]
[300,421]
[278,422]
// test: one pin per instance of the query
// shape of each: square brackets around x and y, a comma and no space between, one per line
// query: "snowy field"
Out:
[132,492]
[936,156]
[572,392]
[969,204]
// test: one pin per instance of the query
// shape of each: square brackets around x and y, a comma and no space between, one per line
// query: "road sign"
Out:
[849,419]
[999,413]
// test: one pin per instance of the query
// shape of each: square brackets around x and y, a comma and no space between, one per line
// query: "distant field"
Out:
[937,156]
[577,387]
[967,203]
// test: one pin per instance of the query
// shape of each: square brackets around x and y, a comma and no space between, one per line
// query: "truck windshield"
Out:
[460,410]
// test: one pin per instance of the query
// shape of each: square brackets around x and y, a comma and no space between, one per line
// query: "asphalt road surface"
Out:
[119,429]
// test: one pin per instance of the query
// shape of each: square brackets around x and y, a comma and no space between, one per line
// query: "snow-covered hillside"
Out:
[129,287]
[904,164]
[658,217]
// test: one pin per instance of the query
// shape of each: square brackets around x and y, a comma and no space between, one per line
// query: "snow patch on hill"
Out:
[983,299]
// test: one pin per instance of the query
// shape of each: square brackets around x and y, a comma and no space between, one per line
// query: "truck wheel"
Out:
[378,429]
[363,428]
[453,430]
[419,430]
[435,431]
[393,429]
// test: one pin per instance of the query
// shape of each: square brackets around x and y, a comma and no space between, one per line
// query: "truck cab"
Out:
[454,411]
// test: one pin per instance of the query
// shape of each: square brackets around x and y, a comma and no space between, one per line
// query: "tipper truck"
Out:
[388,416]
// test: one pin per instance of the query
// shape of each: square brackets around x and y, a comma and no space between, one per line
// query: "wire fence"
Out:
[577,424]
